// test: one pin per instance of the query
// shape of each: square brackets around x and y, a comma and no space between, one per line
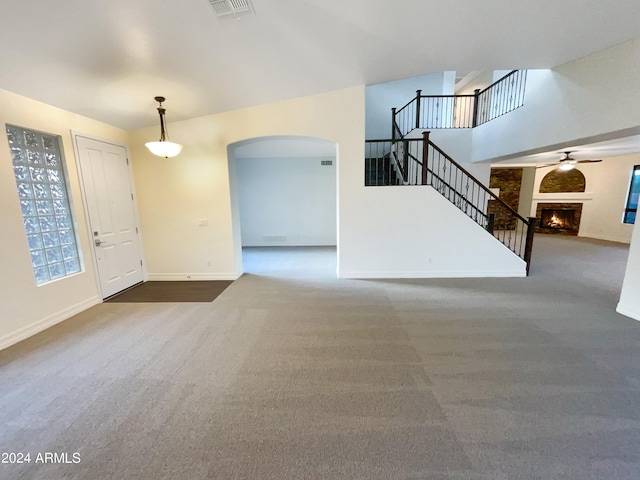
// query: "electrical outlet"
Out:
[209,263]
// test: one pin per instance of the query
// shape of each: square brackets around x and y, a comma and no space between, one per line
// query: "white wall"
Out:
[175,194]
[381,98]
[629,304]
[527,188]
[457,144]
[425,236]
[27,308]
[481,81]
[604,200]
[609,182]
[582,101]
[287,201]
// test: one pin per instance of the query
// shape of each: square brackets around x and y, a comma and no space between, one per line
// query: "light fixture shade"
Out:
[164,149]
[567,166]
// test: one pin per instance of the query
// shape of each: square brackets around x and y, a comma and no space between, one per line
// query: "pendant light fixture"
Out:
[163,147]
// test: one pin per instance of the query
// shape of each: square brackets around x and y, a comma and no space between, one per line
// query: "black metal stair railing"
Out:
[380,169]
[460,111]
[421,162]
[502,96]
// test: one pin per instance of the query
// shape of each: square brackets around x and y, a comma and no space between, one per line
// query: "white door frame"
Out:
[74,135]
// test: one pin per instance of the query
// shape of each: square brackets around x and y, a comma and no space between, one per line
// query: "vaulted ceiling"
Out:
[107,59]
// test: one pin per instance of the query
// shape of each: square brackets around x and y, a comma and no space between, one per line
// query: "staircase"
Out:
[421,162]
[402,161]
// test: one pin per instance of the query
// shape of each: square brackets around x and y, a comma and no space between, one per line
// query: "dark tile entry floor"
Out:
[187,291]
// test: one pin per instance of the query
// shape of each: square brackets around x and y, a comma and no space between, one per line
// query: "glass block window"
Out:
[44,199]
[632,199]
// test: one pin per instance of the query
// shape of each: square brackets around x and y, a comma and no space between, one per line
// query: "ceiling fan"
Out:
[568,163]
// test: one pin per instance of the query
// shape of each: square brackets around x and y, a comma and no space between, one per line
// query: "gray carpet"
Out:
[298,375]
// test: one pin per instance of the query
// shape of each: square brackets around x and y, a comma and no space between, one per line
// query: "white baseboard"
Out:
[436,274]
[628,311]
[605,237]
[47,322]
[174,277]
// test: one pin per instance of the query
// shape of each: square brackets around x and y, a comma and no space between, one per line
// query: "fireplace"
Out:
[559,218]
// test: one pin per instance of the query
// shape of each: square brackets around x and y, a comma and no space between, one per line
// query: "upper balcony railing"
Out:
[460,111]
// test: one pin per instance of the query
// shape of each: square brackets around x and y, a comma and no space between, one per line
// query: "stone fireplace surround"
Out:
[577,213]
[559,192]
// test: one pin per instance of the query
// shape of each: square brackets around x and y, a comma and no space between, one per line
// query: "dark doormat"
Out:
[188,291]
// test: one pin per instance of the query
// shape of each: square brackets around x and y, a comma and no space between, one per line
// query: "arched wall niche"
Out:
[562,181]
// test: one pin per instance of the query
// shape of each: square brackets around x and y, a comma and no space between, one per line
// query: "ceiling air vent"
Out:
[232,8]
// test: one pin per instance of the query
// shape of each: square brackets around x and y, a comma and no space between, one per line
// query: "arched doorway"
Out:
[284,199]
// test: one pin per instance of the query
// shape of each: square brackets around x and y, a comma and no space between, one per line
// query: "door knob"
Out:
[98,242]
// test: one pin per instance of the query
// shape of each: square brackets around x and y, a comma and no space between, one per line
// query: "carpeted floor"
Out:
[299,375]
[187,291]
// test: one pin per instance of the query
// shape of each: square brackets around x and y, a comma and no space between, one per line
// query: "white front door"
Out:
[109,199]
